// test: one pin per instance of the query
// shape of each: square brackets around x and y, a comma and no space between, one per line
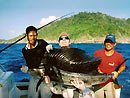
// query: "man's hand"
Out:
[48,48]
[24,68]
[40,71]
[78,84]
[100,71]
[115,75]
[47,79]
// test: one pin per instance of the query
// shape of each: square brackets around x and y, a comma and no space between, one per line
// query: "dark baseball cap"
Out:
[111,37]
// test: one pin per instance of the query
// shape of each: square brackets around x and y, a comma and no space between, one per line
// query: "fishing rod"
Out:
[12,44]
[37,29]
[118,67]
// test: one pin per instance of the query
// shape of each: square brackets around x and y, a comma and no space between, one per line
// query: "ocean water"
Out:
[12,60]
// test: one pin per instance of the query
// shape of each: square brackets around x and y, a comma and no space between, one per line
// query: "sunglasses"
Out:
[61,38]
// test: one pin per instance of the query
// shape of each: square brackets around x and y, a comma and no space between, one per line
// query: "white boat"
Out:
[11,89]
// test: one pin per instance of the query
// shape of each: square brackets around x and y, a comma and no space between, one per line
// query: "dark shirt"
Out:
[34,56]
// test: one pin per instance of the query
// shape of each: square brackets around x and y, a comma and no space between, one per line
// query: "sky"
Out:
[16,15]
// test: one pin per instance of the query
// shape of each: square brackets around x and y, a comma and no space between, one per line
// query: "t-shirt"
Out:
[109,63]
[34,56]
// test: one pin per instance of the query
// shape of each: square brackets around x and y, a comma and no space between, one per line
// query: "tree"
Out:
[128,20]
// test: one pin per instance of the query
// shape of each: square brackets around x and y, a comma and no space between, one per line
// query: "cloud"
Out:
[12,34]
[12,31]
[47,20]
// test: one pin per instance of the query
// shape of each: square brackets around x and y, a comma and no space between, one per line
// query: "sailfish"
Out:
[64,65]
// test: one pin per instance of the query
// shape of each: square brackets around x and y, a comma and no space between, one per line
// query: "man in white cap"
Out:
[64,40]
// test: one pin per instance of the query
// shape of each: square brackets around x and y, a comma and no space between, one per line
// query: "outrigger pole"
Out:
[37,29]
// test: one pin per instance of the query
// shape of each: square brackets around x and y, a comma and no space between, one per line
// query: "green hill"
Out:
[86,25]
[2,40]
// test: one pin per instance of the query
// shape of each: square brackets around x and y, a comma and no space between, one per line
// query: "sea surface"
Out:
[12,60]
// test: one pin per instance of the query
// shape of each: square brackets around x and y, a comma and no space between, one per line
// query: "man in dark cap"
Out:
[109,60]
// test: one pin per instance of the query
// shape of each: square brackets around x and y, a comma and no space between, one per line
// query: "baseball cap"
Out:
[111,37]
[63,34]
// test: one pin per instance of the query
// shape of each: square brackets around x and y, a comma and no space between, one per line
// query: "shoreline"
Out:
[73,41]
[83,40]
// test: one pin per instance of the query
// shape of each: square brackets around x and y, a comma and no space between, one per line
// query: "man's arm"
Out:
[116,73]
[122,68]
